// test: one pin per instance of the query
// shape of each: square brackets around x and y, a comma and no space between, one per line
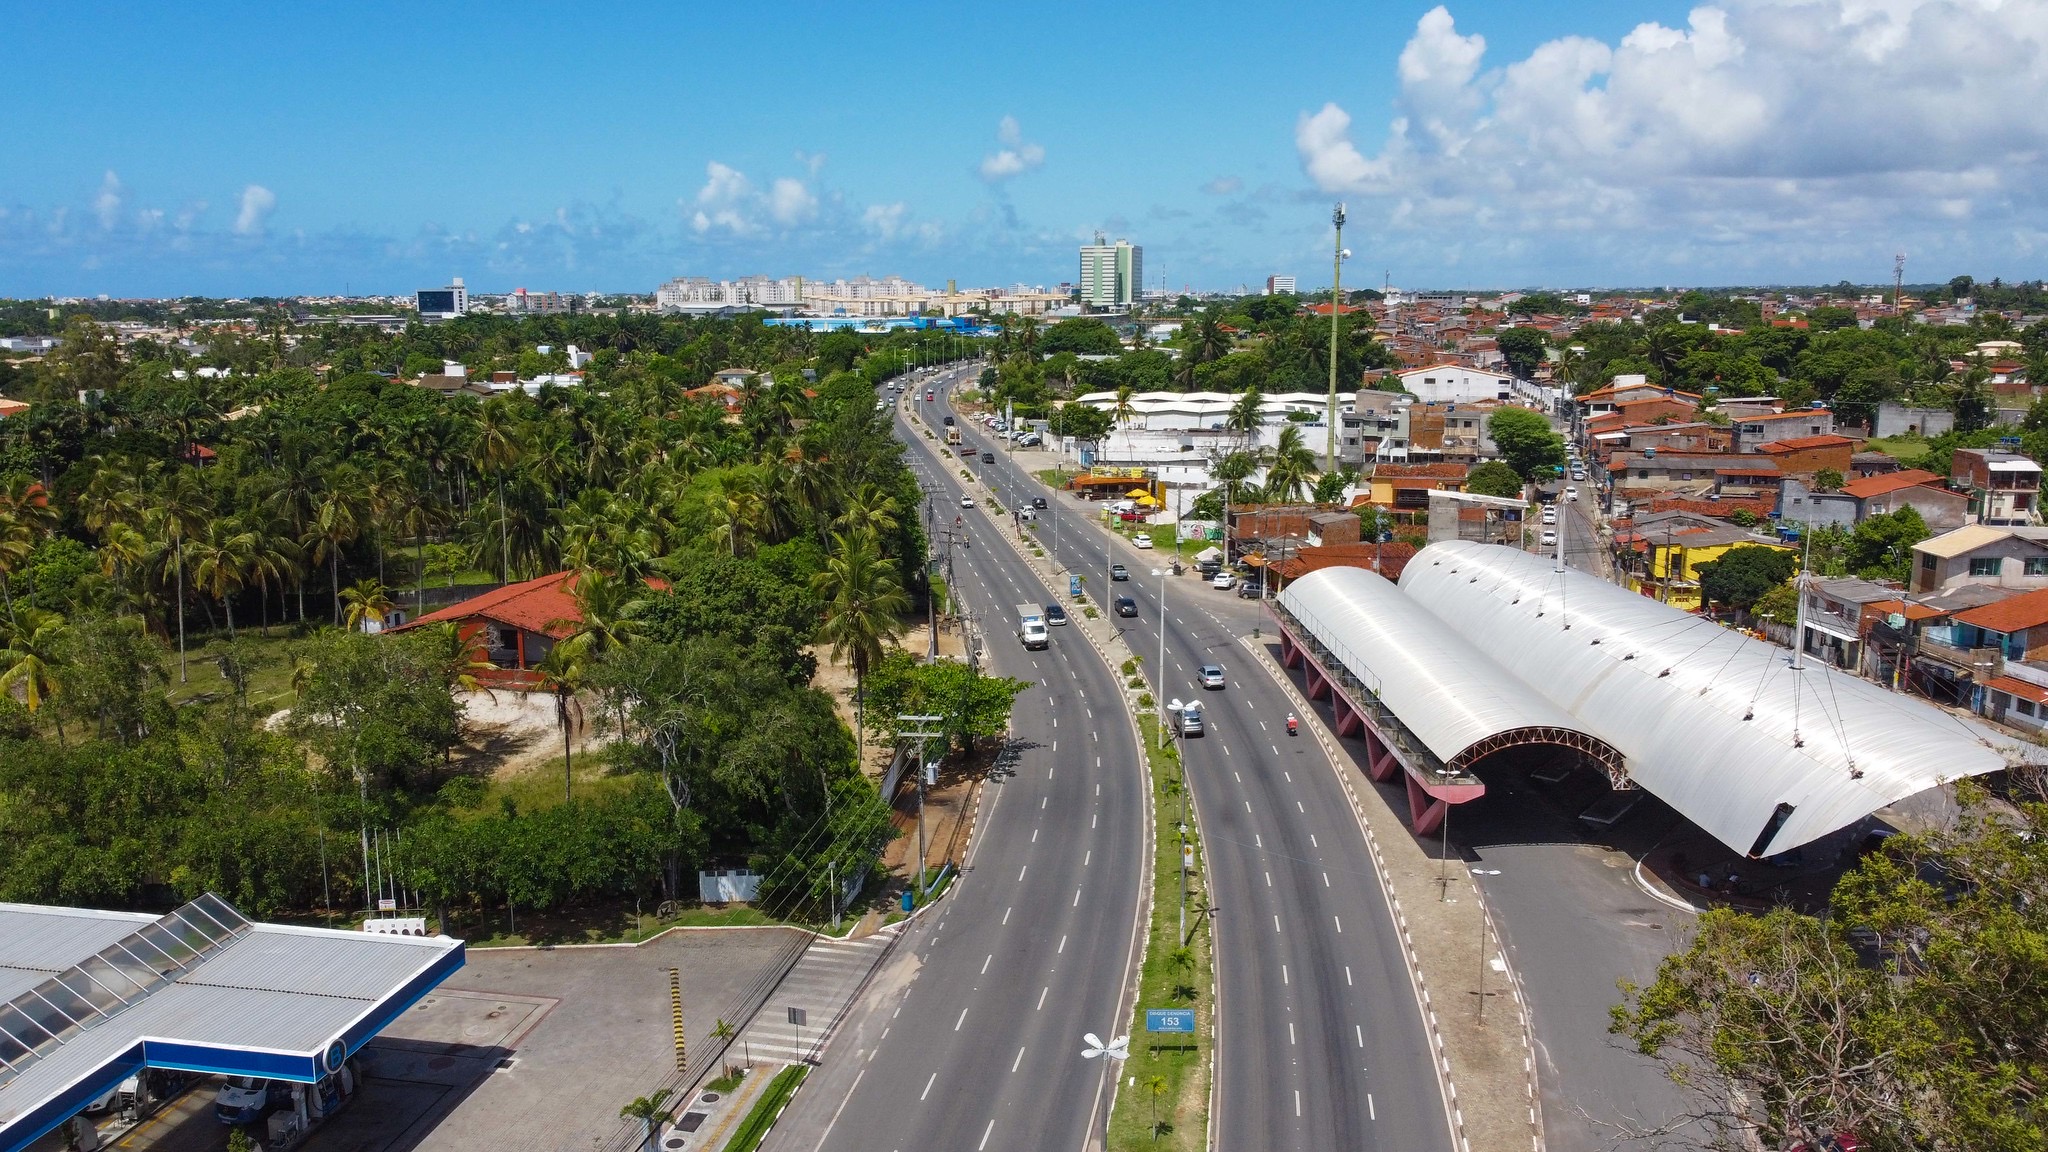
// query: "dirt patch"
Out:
[835,679]
[505,733]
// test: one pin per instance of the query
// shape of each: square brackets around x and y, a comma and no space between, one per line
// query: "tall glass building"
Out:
[1112,275]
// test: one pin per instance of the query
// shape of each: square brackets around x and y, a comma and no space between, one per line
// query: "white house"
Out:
[1457,384]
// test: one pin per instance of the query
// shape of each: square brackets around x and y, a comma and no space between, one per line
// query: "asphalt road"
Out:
[1321,1040]
[970,1037]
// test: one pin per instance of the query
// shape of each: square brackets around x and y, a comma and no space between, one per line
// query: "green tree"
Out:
[31,646]
[1523,349]
[1745,572]
[1828,480]
[1080,421]
[1292,466]
[1526,442]
[1914,1013]
[1881,547]
[864,604]
[1494,478]
[976,706]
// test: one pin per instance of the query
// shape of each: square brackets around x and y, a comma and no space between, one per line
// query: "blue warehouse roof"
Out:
[88,998]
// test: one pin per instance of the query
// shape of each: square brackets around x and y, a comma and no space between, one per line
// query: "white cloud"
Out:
[1224,186]
[1770,131]
[790,202]
[257,202]
[107,205]
[885,220]
[1015,157]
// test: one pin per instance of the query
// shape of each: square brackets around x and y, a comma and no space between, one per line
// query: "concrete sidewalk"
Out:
[823,983]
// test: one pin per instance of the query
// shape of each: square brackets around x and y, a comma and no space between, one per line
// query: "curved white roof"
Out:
[1447,692]
[1715,723]
[1214,403]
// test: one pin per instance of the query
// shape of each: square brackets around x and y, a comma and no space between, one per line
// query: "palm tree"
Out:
[736,510]
[1233,470]
[25,518]
[366,599]
[561,671]
[863,603]
[337,520]
[1292,467]
[178,511]
[222,559]
[29,662]
[871,510]
[649,1111]
[1155,1086]
[1247,414]
[1209,341]
[499,444]
[1122,412]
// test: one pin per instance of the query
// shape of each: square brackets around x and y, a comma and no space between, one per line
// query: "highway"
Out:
[1321,1042]
[970,1035]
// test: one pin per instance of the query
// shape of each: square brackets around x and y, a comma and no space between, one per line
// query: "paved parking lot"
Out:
[521,1049]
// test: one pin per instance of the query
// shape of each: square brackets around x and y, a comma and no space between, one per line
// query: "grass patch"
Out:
[1055,477]
[605,924]
[727,1082]
[270,685]
[761,1117]
[940,879]
[1906,447]
[1169,1107]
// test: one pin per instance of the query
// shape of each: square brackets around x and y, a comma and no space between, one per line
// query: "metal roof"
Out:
[1447,692]
[92,997]
[1714,722]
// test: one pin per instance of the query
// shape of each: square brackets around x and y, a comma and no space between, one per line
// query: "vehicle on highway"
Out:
[1119,572]
[988,457]
[1031,626]
[881,404]
[1550,515]
[1211,675]
[1142,540]
[1251,589]
[948,421]
[953,437]
[1125,606]
[967,501]
[1038,501]
[1549,537]
[242,1100]
[928,395]
[1055,616]
[1223,581]
[1571,493]
[1579,474]
[1189,719]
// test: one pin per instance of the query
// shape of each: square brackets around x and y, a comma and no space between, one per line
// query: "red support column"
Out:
[1348,719]
[1384,765]
[1290,652]
[1425,812]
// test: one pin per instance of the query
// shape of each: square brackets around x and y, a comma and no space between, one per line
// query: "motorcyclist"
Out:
[1293,725]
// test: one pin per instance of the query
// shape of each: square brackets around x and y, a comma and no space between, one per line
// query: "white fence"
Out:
[728,886]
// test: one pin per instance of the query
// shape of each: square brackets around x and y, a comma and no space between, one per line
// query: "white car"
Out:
[1223,581]
[1549,538]
[1572,493]
[1550,515]
[967,501]
[1142,541]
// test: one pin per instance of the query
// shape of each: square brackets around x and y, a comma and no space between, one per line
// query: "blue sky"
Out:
[378,149]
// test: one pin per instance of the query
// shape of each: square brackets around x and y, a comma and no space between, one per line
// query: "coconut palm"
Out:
[222,558]
[366,599]
[1233,470]
[177,511]
[864,601]
[29,663]
[736,510]
[561,673]
[1293,465]
[649,1111]
[1247,414]
[459,656]
[1122,412]
[25,518]
[337,520]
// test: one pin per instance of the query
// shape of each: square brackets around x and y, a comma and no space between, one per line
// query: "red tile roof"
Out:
[1885,482]
[2019,688]
[1390,558]
[546,605]
[1802,443]
[2026,610]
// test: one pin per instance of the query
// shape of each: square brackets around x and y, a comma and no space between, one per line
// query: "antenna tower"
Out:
[1898,280]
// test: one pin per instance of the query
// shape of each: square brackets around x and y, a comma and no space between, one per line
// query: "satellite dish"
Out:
[1117,1049]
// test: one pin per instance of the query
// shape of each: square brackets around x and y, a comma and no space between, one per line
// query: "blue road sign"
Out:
[1073,587]
[1170,1020]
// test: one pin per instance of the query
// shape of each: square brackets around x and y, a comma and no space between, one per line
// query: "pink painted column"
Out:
[1425,812]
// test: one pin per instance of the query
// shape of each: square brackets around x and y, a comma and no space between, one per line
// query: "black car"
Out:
[948,421]
[1125,606]
[1209,568]
[1038,501]
[988,457]
[1055,615]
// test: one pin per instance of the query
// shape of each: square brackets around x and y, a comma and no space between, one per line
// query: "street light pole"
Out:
[1159,681]
[1336,311]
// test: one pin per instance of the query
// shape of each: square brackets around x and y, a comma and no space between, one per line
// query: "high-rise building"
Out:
[1279,285]
[442,303]
[1112,275]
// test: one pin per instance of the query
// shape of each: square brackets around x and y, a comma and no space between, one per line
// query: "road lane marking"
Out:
[1020,1057]
[1088,855]
[1312,841]
[1091,820]
[1276,928]
[1042,800]
[1299,808]
[1240,779]
[1020,873]
[1297,1091]
[928,1086]
[1034,840]
[1289,775]
[987,962]
[1258,841]
[1326,879]
[1262,726]
[1247,805]
[1285,980]
[1269,879]
[1371,1113]
[1340,924]
[1226,749]
[1077,897]
[1062,949]
[1006,915]
[1041,998]
[1347,974]
[1297,1095]
[961,1020]
[1360,1028]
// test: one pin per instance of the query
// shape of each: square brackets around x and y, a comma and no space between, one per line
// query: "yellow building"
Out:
[1670,568]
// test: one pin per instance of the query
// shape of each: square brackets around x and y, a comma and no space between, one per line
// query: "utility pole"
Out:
[1336,313]
[921,735]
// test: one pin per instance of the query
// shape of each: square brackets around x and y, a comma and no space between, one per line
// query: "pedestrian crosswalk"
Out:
[821,984]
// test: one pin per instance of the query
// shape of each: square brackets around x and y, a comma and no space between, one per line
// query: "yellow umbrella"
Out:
[1147,500]
[1139,494]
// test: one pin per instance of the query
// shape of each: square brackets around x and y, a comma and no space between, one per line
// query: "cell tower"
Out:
[1898,280]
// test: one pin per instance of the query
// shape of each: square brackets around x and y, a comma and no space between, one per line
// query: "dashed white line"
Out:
[1276,922]
[1326,879]
[1247,805]
[1312,840]
[1283,975]
[1006,915]
[985,963]
[1297,1091]
[1062,949]
[1297,1095]
[928,1086]
[1034,840]
[1289,775]
[1340,924]
[1091,820]
[992,1127]
[1299,808]
[1269,879]
[1088,855]
[1359,1028]
[1041,998]
[961,1020]
[1020,1057]
[1371,1113]
[1020,873]
[1347,974]
[1077,898]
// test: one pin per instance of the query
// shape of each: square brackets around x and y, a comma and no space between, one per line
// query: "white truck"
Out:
[1031,626]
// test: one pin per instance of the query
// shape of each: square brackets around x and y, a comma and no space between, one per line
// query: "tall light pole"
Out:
[1159,681]
[1336,311]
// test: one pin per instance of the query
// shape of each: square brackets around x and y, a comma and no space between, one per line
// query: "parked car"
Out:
[1125,606]
[967,501]
[1211,675]
[1251,589]
[242,1100]
[1055,615]
[1142,540]
[1038,501]
[1209,568]
[1029,440]
[1224,581]
[1119,572]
